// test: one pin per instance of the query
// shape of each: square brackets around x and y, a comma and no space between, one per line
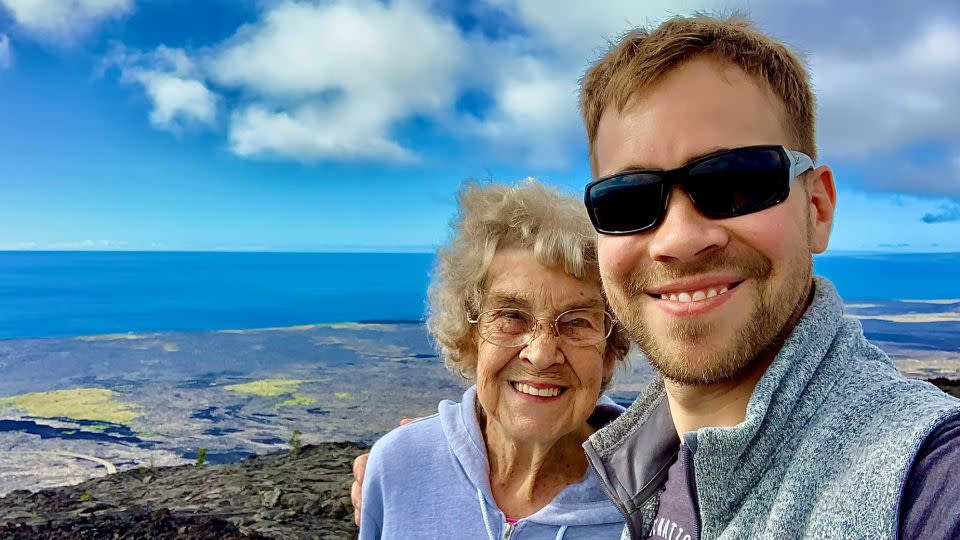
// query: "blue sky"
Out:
[348,125]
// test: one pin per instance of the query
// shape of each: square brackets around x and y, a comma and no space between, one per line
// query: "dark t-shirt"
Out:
[929,505]
[678,516]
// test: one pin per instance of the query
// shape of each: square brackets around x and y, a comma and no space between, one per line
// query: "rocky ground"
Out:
[949,386]
[274,496]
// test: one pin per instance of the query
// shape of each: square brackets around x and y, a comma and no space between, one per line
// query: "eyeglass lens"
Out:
[513,327]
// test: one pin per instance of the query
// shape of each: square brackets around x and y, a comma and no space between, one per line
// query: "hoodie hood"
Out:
[583,503]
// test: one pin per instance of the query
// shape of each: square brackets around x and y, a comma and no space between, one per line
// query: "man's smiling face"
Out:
[703,297]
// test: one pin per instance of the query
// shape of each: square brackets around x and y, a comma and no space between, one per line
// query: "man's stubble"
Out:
[756,339]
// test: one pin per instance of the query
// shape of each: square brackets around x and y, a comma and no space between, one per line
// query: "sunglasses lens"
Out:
[626,203]
[740,182]
[728,184]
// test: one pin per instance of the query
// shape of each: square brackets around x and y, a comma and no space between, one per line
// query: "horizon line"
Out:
[412,250]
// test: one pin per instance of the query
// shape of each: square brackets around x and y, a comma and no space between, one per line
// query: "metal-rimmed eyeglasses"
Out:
[511,327]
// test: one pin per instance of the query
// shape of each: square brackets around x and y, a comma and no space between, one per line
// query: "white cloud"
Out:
[534,79]
[6,58]
[577,30]
[82,245]
[332,80]
[896,98]
[535,120]
[177,100]
[309,133]
[64,18]
[340,79]
[336,80]
[172,82]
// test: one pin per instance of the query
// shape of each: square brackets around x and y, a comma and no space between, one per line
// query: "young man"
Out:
[774,417]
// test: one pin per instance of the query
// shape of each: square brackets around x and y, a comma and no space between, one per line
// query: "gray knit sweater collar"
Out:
[787,397]
[647,422]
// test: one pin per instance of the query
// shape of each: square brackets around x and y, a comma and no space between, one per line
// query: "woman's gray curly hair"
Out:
[525,215]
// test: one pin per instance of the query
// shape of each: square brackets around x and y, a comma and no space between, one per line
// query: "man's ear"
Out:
[821,203]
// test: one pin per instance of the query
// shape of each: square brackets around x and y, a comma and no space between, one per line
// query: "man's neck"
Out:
[724,404]
[714,405]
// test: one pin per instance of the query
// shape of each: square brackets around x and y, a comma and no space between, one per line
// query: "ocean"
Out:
[52,294]
[48,294]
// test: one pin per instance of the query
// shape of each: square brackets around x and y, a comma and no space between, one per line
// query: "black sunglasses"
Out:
[721,185]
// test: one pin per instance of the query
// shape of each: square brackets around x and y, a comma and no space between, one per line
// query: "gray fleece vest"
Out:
[829,438]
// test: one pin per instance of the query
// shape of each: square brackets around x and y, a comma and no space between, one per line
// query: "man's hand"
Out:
[359,469]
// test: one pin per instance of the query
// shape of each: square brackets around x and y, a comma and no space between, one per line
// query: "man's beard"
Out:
[761,333]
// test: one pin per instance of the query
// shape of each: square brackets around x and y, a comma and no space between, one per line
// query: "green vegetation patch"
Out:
[298,400]
[97,404]
[267,387]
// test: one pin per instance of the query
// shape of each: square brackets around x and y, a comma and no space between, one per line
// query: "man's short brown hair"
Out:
[643,57]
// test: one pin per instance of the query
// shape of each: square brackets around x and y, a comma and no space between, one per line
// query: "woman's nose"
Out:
[543,350]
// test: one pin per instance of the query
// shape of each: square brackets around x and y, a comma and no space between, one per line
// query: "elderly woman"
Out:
[516,306]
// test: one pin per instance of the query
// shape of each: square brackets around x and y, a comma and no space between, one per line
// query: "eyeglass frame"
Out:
[553,325]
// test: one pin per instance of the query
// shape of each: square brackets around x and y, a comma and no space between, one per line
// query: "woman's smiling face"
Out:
[569,376]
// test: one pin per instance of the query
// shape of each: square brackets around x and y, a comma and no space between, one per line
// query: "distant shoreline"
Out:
[145,334]
[359,251]
[420,250]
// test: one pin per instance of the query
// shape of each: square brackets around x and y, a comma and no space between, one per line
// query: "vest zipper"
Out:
[692,488]
[616,501]
[507,531]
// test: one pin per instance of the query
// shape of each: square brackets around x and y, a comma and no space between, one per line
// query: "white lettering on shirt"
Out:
[668,530]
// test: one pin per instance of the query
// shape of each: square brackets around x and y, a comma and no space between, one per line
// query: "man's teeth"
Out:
[695,296]
[542,392]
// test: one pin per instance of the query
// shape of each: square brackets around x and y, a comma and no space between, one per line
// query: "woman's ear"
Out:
[468,359]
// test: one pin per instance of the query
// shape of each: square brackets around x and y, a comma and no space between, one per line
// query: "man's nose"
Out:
[685,233]
[544,350]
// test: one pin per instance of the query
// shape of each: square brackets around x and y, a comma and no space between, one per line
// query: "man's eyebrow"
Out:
[639,166]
